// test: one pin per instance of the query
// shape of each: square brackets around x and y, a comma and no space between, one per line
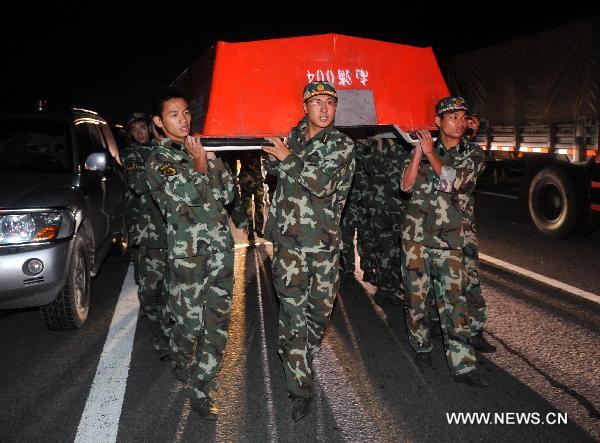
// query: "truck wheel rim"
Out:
[551,203]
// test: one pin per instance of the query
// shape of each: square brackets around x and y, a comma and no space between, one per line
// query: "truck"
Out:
[540,96]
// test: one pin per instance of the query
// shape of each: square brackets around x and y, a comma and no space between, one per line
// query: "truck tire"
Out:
[70,308]
[553,202]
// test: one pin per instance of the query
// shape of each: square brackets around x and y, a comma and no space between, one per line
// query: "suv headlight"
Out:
[35,226]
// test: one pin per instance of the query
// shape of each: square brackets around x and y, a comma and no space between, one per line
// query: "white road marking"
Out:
[541,278]
[100,419]
[495,194]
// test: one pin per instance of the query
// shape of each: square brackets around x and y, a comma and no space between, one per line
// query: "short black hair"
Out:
[161,96]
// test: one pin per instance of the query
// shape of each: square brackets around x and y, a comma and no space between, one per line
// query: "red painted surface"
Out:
[257,86]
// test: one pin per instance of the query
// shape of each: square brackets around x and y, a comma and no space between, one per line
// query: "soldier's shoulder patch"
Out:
[167,169]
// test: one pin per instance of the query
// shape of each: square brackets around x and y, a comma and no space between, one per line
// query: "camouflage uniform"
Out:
[252,189]
[200,259]
[147,231]
[370,206]
[384,168]
[354,219]
[235,209]
[432,243]
[132,218]
[476,306]
[303,223]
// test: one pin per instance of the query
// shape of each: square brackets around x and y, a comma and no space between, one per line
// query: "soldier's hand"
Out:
[194,147]
[426,140]
[196,150]
[279,150]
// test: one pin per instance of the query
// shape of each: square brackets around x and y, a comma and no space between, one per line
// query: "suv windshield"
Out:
[33,144]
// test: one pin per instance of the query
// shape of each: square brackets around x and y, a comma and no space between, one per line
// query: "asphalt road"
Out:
[368,388]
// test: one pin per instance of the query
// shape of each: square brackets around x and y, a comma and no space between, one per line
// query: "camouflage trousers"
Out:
[443,269]
[254,201]
[476,305]
[200,290]
[306,284]
[385,227]
[152,294]
[355,220]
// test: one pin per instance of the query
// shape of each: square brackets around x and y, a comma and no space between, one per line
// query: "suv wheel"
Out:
[70,308]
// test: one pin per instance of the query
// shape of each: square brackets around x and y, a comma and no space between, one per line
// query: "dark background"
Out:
[110,57]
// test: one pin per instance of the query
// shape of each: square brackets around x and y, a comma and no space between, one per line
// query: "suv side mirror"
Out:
[98,161]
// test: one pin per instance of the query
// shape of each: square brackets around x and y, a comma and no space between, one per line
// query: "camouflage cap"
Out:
[318,88]
[451,104]
[137,117]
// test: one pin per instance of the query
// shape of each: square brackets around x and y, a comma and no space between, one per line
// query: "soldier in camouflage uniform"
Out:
[384,168]
[235,209]
[191,188]
[314,172]
[355,219]
[146,234]
[476,305]
[138,134]
[253,191]
[370,205]
[433,238]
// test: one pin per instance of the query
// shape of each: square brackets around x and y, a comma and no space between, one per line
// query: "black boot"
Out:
[423,360]
[473,378]
[300,407]
[480,344]
[205,408]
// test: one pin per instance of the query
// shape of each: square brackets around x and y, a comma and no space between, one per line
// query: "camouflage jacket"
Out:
[191,202]
[146,224]
[312,186]
[384,166]
[435,213]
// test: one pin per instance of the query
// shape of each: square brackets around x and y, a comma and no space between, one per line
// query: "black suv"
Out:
[61,208]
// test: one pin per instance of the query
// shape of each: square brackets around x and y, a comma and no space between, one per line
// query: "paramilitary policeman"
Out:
[138,134]
[476,305]
[191,188]
[384,168]
[147,233]
[370,205]
[252,190]
[433,238]
[355,221]
[314,172]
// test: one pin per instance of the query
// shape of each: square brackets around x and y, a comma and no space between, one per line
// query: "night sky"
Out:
[111,59]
